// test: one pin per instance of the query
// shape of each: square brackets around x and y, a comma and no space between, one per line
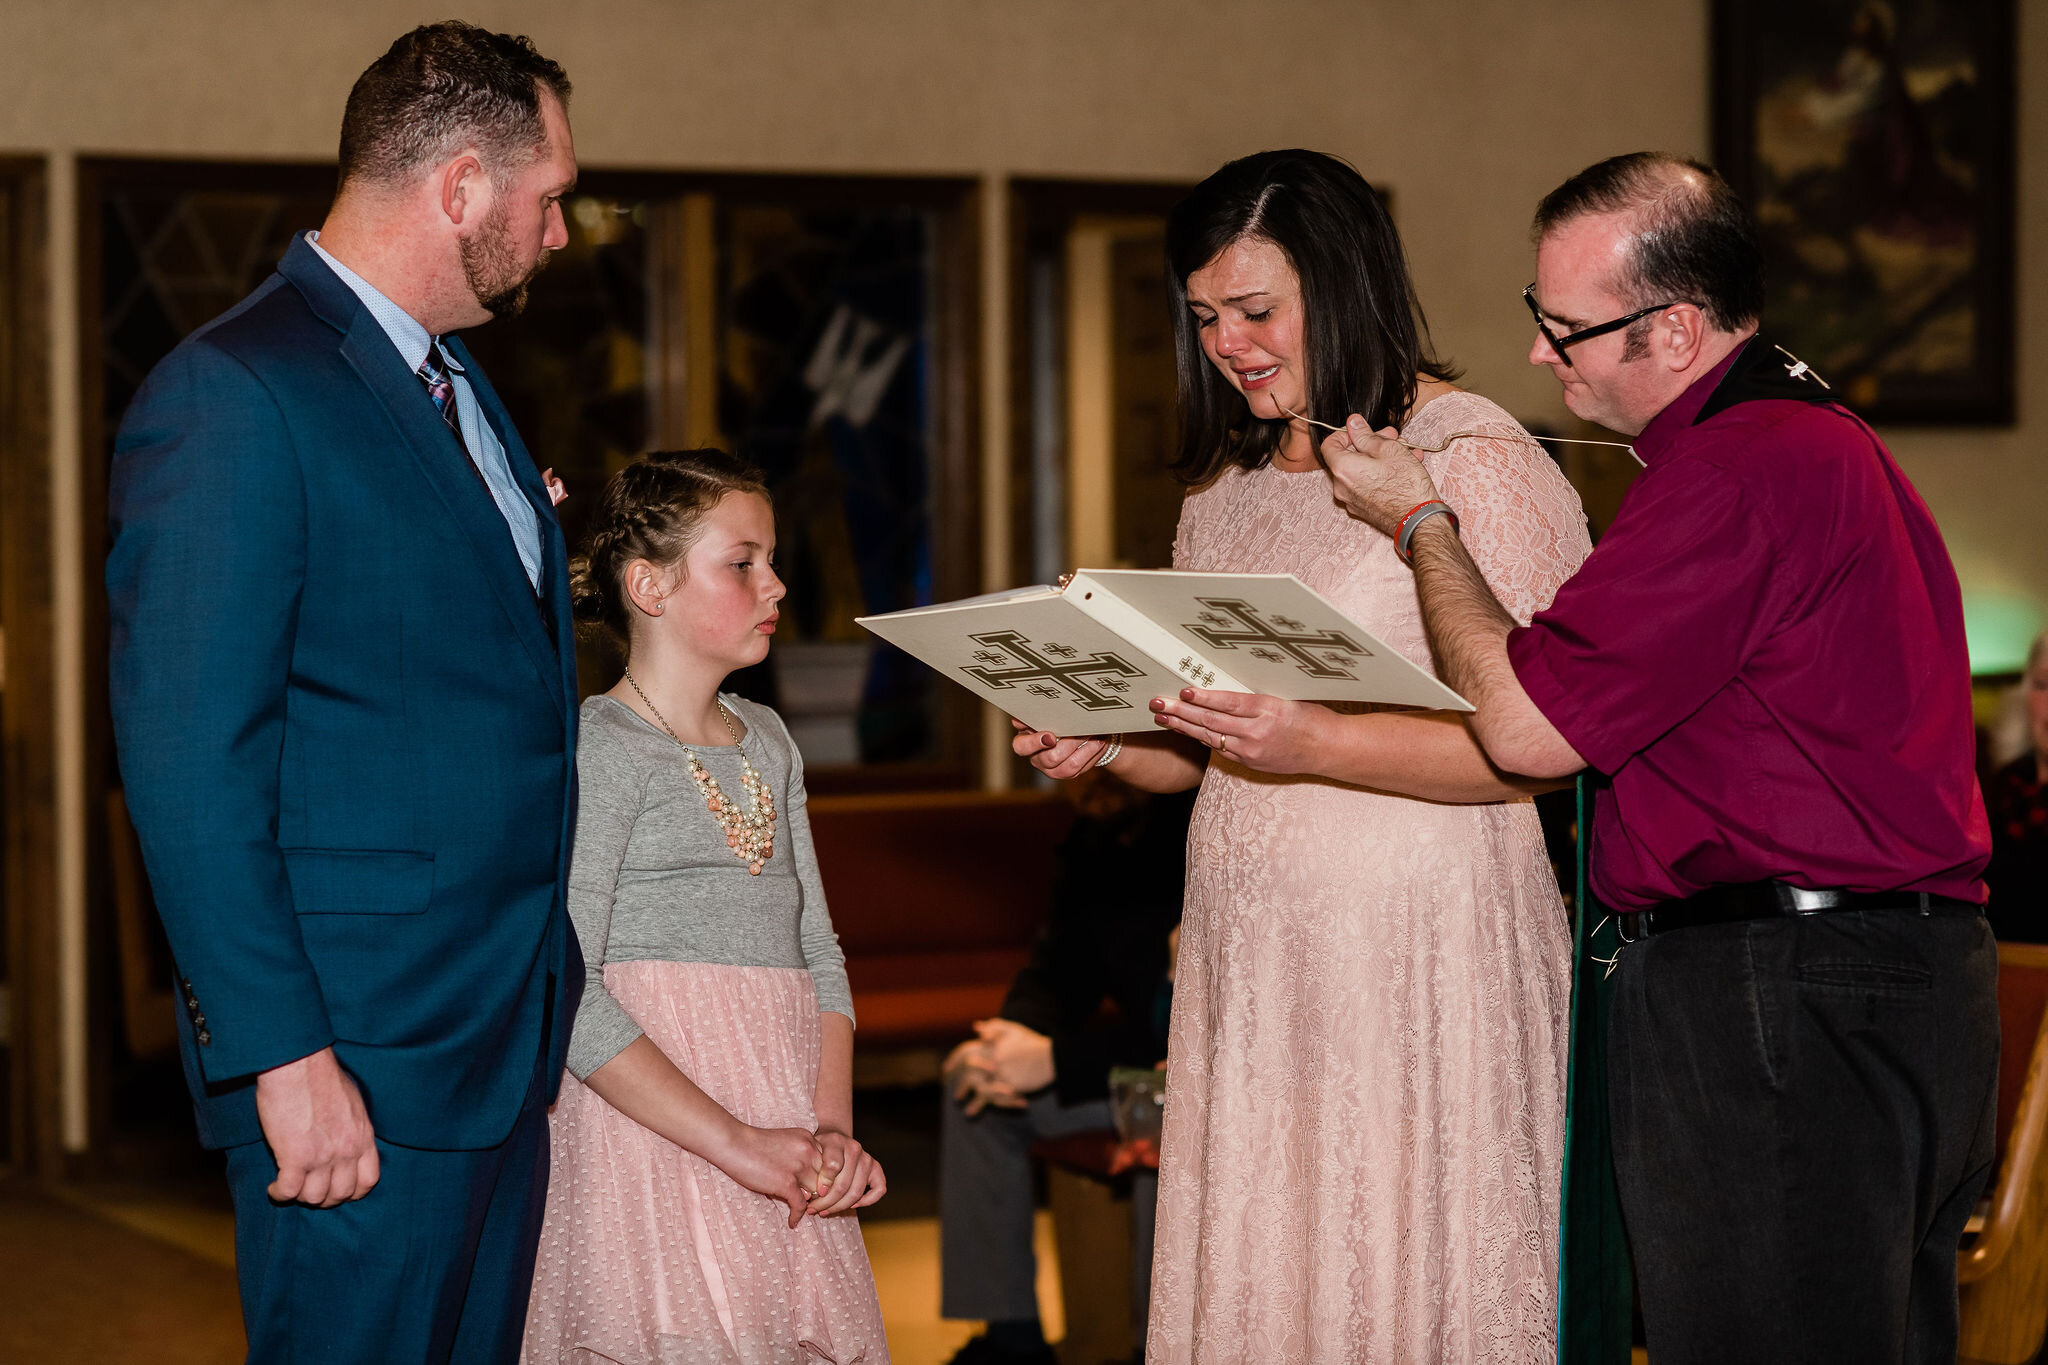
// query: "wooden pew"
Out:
[2003,1273]
[937,897]
[1102,1286]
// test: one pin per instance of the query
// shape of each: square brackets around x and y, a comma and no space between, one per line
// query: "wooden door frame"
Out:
[28,851]
[1042,212]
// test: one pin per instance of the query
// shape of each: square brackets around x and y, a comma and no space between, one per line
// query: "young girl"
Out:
[711,1062]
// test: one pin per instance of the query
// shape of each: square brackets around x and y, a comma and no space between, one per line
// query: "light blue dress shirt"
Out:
[413,342]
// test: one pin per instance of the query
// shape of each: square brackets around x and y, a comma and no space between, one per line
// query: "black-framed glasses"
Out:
[1598,329]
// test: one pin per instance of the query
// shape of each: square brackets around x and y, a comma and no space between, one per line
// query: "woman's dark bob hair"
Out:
[1363,333]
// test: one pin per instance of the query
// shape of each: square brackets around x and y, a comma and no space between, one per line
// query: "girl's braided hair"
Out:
[653,509]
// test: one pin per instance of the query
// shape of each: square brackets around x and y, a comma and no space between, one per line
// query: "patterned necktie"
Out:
[441,389]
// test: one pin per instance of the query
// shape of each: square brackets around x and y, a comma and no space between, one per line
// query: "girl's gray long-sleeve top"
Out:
[652,879]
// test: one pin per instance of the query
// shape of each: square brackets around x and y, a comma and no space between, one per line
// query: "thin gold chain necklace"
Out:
[750,835]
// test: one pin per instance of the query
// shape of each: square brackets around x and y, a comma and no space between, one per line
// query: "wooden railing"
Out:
[2003,1274]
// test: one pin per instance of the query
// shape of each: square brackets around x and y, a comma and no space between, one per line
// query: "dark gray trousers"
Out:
[1803,1112]
[986,1265]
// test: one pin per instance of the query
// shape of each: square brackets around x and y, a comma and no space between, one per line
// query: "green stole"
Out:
[1595,1280]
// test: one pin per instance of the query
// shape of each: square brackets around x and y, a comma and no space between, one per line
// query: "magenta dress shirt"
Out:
[1765,657]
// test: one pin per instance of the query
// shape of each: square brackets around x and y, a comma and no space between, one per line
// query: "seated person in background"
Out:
[1093,996]
[2016,798]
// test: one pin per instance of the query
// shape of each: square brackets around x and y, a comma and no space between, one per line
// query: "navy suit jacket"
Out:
[346,723]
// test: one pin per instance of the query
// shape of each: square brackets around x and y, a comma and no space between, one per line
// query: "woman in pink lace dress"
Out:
[1365,1088]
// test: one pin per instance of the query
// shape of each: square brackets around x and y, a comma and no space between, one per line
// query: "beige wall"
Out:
[1449,105]
[1467,111]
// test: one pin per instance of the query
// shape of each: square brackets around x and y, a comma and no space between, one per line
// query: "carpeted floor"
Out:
[114,1274]
[138,1265]
[83,1288]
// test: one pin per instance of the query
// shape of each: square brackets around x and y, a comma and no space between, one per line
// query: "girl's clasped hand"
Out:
[782,1163]
[847,1177]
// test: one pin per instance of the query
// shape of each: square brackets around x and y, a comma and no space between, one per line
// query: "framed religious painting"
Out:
[1874,141]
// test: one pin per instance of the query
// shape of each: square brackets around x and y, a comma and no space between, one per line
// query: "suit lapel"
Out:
[554,559]
[442,462]
[453,476]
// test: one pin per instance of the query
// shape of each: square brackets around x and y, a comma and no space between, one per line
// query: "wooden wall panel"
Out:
[27,752]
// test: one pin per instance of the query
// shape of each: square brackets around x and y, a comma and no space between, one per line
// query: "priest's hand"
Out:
[1267,734]
[1378,479]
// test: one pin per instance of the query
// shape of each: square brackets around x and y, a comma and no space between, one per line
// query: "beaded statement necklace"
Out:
[750,835]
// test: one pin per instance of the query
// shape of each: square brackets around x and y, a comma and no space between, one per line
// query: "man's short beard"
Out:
[491,269]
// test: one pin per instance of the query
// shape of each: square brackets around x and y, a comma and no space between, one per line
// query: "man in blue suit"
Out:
[345,702]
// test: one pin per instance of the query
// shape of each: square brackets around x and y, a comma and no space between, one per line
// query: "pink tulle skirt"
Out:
[653,1256]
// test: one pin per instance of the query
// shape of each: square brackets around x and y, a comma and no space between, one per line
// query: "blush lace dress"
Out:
[1365,1090]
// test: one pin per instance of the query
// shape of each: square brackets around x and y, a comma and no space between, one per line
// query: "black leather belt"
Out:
[1769,900]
